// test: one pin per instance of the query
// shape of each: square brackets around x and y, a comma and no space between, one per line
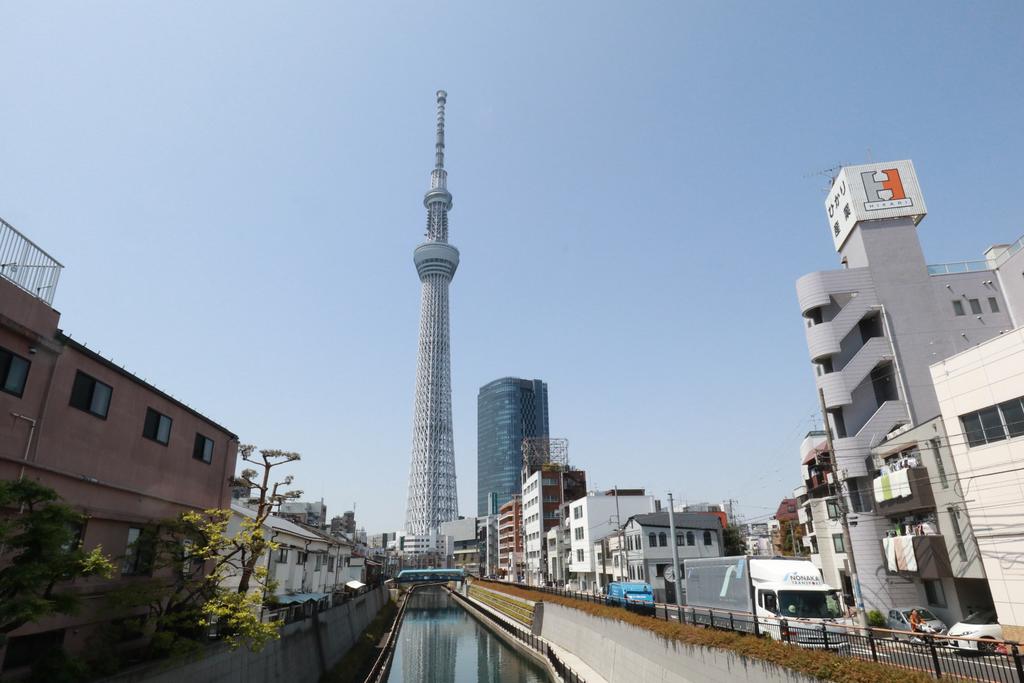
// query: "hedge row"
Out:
[823,665]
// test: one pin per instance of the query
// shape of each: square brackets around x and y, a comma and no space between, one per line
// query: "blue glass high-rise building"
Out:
[507,411]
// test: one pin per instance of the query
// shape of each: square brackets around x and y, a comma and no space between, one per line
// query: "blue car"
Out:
[636,596]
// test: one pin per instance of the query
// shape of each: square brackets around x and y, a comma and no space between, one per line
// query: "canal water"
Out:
[439,642]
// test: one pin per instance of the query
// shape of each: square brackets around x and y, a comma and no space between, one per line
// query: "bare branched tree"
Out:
[270,496]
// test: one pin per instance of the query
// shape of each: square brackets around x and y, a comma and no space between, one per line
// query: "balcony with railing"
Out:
[27,266]
[903,492]
[921,555]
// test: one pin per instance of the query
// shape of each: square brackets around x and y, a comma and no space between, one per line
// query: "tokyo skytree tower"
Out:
[432,497]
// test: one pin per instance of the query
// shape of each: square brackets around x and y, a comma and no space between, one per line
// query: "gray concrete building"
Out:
[873,328]
[465,548]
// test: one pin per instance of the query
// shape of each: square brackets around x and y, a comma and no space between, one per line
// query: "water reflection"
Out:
[440,643]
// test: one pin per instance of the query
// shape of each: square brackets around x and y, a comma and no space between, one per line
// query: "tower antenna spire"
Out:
[442,97]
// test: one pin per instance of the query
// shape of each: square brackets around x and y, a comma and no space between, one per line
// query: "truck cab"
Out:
[633,595]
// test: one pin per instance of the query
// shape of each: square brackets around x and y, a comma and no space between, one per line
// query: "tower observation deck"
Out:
[432,492]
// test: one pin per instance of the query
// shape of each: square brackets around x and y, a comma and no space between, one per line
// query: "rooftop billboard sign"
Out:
[872,192]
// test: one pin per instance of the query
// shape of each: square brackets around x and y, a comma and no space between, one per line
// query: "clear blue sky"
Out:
[235,189]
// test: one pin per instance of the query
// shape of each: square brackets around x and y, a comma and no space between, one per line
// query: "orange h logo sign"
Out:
[884,190]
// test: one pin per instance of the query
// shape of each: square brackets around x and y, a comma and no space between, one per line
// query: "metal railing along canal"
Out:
[996,661]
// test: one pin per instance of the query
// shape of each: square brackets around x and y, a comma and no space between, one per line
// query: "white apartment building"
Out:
[537,490]
[558,554]
[873,328]
[610,558]
[545,493]
[980,394]
[424,550]
[307,565]
[819,512]
[648,544]
[592,518]
[929,539]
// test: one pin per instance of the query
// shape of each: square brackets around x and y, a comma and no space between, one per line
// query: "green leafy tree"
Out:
[733,541]
[791,533]
[196,555]
[39,553]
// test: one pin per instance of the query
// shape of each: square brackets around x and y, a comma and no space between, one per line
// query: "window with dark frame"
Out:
[954,516]
[837,543]
[993,304]
[958,307]
[26,650]
[203,449]
[975,306]
[157,427]
[994,423]
[934,593]
[662,539]
[91,395]
[707,538]
[939,464]
[13,372]
[138,553]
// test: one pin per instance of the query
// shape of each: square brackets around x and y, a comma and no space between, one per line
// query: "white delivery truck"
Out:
[788,597]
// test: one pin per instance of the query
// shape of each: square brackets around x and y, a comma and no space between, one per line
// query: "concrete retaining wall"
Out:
[623,653]
[297,657]
[478,611]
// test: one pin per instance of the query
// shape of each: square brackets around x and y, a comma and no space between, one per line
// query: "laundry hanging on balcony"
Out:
[892,485]
[899,553]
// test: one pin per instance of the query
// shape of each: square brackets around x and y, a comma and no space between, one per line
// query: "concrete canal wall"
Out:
[478,612]
[623,653]
[304,652]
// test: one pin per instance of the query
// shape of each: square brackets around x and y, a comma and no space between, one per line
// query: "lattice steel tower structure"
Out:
[432,496]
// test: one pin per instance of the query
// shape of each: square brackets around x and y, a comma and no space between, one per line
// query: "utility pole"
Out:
[676,570]
[618,523]
[862,617]
[604,561]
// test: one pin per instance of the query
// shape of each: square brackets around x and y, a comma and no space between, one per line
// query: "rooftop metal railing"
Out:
[975,266]
[26,265]
[959,267]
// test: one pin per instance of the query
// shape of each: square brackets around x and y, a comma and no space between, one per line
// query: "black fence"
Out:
[381,667]
[994,661]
